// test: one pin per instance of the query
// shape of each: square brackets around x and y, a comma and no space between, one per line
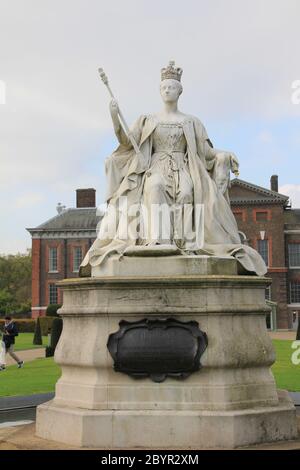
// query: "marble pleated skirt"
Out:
[167,195]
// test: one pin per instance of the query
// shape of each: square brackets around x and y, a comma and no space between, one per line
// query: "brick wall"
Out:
[42,278]
[253,220]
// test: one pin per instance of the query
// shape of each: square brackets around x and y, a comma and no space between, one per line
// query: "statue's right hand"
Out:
[114,108]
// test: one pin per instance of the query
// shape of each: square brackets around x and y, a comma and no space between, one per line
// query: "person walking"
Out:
[8,341]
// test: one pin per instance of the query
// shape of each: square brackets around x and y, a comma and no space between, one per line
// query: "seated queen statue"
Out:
[173,192]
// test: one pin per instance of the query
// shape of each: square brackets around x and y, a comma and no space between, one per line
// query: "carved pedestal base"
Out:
[231,401]
[166,429]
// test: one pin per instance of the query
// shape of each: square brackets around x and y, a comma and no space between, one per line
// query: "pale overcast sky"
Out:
[239,58]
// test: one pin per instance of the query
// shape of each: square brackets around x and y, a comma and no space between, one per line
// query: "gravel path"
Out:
[26,356]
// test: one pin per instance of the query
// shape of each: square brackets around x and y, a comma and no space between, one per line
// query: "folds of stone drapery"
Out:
[220,233]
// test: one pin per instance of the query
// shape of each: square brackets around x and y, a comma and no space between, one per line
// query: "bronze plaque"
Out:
[157,348]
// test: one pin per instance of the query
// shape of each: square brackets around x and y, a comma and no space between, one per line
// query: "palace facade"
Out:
[265,219]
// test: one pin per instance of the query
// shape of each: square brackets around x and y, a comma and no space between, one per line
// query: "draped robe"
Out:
[125,171]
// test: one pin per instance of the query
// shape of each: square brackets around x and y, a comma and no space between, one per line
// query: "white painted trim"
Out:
[50,235]
[39,308]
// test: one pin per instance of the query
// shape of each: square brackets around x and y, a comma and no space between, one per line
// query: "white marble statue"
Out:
[173,165]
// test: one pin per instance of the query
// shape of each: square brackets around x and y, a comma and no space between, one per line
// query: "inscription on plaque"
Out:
[157,348]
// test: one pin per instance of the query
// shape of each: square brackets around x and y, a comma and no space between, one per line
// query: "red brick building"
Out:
[58,247]
[268,223]
[265,220]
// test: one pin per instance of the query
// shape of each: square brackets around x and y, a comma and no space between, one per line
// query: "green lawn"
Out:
[40,375]
[24,341]
[287,375]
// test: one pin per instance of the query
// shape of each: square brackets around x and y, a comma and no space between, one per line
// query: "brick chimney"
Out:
[274,183]
[86,197]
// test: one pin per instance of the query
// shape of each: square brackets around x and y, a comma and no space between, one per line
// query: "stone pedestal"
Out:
[231,401]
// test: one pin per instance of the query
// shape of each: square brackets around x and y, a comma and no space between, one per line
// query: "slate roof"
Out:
[71,219]
[255,194]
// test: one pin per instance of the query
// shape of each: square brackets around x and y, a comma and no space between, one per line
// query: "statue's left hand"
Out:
[234,164]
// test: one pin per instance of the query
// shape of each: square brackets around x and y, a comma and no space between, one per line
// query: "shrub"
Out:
[23,325]
[24,314]
[52,310]
[46,325]
[57,326]
[37,339]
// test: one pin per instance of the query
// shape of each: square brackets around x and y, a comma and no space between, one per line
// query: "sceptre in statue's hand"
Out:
[116,114]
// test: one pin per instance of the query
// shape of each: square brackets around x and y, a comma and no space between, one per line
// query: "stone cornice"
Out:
[168,281]
[255,202]
[54,234]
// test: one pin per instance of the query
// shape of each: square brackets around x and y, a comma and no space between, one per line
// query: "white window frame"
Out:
[270,293]
[74,257]
[268,245]
[292,266]
[290,289]
[50,260]
[52,284]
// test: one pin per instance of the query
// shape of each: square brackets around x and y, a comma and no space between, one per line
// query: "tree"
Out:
[15,283]
[6,300]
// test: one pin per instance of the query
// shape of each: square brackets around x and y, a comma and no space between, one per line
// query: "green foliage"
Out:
[57,326]
[52,310]
[15,284]
[37,339]
[23,325]
[6,300]
[298,331]
[46,325]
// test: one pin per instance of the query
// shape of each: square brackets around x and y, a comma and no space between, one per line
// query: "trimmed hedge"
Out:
[57,327]
[29,325]
[23,325]
[52,310]
[37,339]
[46,325]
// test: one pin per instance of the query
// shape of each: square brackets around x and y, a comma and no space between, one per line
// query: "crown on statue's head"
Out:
[171,72]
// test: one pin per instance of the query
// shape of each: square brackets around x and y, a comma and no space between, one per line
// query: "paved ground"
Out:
[283,335]
[23,438]
[28,355]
